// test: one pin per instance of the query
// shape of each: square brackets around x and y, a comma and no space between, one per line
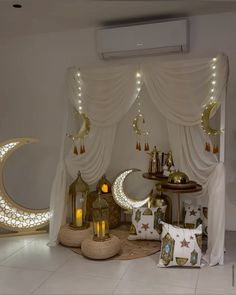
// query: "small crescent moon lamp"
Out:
[84,130]
[205,120]
[119,194]
[12,215]
[136,128]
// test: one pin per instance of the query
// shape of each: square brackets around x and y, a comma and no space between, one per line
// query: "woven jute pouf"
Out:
[71,237]
[101,250]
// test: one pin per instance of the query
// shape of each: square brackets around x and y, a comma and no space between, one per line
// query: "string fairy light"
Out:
[139,116]
[85,128]
[208,108]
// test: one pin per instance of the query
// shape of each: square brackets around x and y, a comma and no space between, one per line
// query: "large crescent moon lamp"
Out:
[12,215]
[205,120]
[84,130]
[119,194]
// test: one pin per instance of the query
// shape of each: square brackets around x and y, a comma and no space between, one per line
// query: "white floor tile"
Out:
[9,246]
[146,270]
[126,286]
[75,283]
[18,281]
[37,255]
[216,278]
[106,268]
[208,292]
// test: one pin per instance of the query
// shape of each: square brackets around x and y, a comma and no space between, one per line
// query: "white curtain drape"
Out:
[108,94]
[179,89]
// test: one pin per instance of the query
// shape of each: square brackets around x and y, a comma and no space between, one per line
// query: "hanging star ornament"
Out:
[184,243]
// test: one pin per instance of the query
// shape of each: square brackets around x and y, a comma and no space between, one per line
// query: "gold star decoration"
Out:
[184,243]
[193,213]
[145,226]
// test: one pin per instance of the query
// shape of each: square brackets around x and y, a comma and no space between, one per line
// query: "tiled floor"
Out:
[29,266]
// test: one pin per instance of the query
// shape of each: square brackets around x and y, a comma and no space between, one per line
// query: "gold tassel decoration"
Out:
[81,149]
[75,150]
[139,146]
[207,147]
[146,147]
[215,149]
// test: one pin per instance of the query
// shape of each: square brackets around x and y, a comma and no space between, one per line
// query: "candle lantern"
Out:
[100,219]
[104,185]
[78,192]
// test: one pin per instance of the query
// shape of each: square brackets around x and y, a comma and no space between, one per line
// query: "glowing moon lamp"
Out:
[119,194]
[136,128]
[12,215]
[84,130]
[205,121]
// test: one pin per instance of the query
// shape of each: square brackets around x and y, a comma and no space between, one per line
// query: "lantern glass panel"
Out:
[100,219]
[78,192]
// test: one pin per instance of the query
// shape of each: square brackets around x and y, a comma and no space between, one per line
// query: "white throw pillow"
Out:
[192,215]
[146,223]
[180,246]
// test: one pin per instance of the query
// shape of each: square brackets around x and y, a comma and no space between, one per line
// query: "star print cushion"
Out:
[192,215]
[146,223]
[180,246]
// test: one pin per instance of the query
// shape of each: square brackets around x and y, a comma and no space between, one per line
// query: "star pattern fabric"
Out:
[145,226]
[184,243]
[192,213]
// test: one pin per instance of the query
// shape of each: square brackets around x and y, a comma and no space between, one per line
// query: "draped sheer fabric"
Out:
[179,89]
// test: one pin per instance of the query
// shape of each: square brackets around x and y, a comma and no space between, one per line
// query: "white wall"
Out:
[32,92]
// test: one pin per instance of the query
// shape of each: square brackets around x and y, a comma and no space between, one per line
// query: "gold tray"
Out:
[189,185]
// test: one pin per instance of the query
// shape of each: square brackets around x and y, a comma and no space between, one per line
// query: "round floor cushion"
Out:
[101,250]
[71,237]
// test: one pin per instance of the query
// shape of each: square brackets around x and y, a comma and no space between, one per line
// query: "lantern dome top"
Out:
[79,185]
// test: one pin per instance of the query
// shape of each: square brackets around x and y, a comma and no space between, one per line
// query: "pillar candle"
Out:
[79,216]
[97,228]
[103,228]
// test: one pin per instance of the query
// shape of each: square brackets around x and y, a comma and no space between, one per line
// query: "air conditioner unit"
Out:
[143,39]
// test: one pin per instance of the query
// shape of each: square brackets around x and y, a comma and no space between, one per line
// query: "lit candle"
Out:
[104,188]
[103,228]
[79,215]
[97,229]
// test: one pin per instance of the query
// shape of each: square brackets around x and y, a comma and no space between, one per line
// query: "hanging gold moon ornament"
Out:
[140,132]
[205,124]
[119,195]
[12,215]
[84,131]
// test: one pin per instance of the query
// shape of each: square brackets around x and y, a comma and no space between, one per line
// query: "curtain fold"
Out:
[179,89]
[107,94]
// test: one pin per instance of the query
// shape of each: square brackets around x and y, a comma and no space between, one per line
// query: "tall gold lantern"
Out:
[78,192]
[100,219]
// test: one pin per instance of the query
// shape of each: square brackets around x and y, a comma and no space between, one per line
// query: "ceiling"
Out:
[41,16]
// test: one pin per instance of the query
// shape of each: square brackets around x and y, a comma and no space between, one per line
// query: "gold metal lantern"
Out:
[104,185]
[78,192]
[100,219]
